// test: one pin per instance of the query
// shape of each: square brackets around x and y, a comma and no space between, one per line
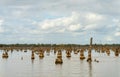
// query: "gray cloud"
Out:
[43,18]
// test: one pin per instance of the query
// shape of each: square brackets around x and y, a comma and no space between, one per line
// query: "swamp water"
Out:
[19,64]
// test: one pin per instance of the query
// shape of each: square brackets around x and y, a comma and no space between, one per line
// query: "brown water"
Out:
[108,66]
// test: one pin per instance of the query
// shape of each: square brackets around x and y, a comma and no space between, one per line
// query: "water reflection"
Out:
[90,69]
[23,66]
[69,58]
[32,61]
[41,58]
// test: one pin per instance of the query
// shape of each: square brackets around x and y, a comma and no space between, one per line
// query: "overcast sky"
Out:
[59,21]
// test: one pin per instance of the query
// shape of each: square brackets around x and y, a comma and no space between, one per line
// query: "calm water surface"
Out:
[108,66]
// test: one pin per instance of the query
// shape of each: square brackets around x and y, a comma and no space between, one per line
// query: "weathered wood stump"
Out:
[5,55]
[32,55]
[116,52]
[68,54]
[82,54]
[59,58]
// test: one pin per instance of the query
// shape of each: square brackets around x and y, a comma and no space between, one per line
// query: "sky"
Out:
[59,21]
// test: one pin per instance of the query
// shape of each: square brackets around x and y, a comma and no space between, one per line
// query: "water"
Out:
[14,66]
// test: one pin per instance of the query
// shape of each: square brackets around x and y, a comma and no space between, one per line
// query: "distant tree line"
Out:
[54,45]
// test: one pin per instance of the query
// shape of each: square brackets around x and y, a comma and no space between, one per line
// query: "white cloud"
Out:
[61,31]
[72,23]
[47,24]
[117,34]
[61,24]
[93,17]
[19,13]
[116,20]
[1,28]
[91,27]
[58,17]
[74,27]
[117,25]
[109,38]
[1,21]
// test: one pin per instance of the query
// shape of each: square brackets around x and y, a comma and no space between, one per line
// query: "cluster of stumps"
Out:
[59,60]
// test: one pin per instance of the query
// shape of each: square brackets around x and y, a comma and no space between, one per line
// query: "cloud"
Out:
[102,7]
[109,38]
[117,27]
[64,23]
[75,22]
[1,23]
[60,19]
[92,17]
[74,27]
[117,34]
[1,29]
[91,27]
[18,13]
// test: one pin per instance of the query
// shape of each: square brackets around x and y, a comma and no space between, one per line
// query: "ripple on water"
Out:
[108,66]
